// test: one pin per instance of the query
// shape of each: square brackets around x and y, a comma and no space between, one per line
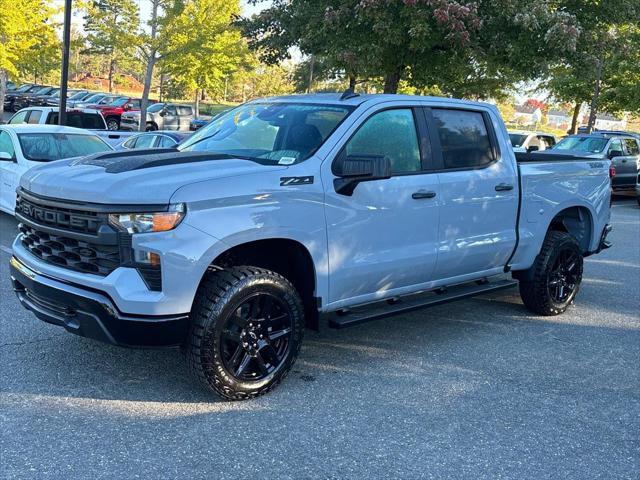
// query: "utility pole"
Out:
[64,77]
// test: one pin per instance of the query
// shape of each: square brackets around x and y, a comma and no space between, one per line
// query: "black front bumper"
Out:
[92,314]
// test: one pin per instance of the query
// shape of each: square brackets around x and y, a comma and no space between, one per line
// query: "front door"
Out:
[9,174]
[382,238]
[479,194]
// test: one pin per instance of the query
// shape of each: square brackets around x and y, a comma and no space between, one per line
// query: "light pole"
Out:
[66,41]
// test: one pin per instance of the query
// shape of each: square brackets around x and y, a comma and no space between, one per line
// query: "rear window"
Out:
[464,138]
[517,139]
[46,147]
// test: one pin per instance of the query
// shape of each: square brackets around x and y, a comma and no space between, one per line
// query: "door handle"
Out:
[504,187]
[420,194]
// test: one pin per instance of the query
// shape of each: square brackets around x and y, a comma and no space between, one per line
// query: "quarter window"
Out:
[391,133]
[464,138]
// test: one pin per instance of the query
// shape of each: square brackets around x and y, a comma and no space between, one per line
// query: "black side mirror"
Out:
[533,148]
[353,169]
[615,153]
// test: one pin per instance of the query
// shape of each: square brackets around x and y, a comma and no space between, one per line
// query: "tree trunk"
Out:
[112,67]
[311,64]
[3,85]
[352,81]
[197,106]
[596,97]
[574,120]
[391,82]
[151,63]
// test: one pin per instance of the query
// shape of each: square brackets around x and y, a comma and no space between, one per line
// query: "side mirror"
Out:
[615,153]
[4,156]
[163,113]
[533,148]
[128,106]
[353,169]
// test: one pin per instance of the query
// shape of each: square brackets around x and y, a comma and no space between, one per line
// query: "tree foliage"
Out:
[472,48]
[112,31]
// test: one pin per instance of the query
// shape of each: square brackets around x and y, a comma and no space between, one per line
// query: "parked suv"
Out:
[289,211]
[160,116]
[19,93]
[622,149]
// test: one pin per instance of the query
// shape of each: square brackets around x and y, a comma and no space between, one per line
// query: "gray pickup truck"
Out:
[293,212]
[160,116]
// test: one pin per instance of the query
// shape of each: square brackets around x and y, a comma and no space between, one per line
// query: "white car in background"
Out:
[23,147]
[525,141]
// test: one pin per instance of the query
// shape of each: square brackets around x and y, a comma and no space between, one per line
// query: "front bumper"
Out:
[91,313]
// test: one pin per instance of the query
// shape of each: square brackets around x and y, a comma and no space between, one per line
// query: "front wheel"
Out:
[112,124]
[246,331]
[553,281]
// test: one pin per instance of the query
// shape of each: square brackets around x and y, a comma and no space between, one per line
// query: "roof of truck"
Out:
[35,128]
[358,99]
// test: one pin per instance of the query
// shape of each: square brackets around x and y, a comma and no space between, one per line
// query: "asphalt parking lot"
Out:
[475,389]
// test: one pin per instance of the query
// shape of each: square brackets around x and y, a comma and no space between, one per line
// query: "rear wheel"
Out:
[553,281]
[246,331]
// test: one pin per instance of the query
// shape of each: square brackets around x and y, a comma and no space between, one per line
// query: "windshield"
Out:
[23,88]
[517,139]
[119,102]
[78,95]
[582,144]
[107,100]
[156,107]
[46,147]
[42,91]
[277,133]
[94,98]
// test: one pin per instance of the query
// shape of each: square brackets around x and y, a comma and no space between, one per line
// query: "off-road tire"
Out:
[534,282]
[219,295]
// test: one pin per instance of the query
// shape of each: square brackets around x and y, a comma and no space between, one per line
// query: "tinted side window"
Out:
[185,111]
[391,133]
[166,142]
[615,145]
[34,117]
[135,104]
[631,146]
[6,145]
[145,141]
[170,109]
[463,137]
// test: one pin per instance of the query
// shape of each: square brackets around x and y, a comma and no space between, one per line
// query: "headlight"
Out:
[149,222]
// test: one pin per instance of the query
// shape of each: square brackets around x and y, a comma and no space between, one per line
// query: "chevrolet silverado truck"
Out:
[293,212]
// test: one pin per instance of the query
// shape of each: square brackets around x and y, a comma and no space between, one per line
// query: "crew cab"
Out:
[88,118]
[160,116]
[301,211]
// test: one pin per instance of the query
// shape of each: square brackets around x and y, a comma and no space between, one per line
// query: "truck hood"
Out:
[132,178]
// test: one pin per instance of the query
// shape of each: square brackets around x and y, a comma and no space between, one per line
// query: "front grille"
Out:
[60,218]
[69,252]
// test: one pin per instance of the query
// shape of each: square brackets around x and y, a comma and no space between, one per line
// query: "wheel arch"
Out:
[578,222]
[285,256]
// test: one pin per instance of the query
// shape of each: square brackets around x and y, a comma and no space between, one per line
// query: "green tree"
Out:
[112,28]
[201,47]
[473,48]
[23,24]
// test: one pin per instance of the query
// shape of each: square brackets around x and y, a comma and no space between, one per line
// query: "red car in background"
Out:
[113,111]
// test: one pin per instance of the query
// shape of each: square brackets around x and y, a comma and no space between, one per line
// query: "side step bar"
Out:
[398,305]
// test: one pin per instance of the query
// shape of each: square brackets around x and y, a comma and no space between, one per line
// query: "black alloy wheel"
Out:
[255,340]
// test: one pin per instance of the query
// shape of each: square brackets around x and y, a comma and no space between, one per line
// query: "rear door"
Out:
[478,193]
[382,237]
[185,115]
[623,164]
[170,119]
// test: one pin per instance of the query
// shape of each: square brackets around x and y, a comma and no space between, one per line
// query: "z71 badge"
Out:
[291,181]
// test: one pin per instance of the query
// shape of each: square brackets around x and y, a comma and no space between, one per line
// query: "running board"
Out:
[398,305]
